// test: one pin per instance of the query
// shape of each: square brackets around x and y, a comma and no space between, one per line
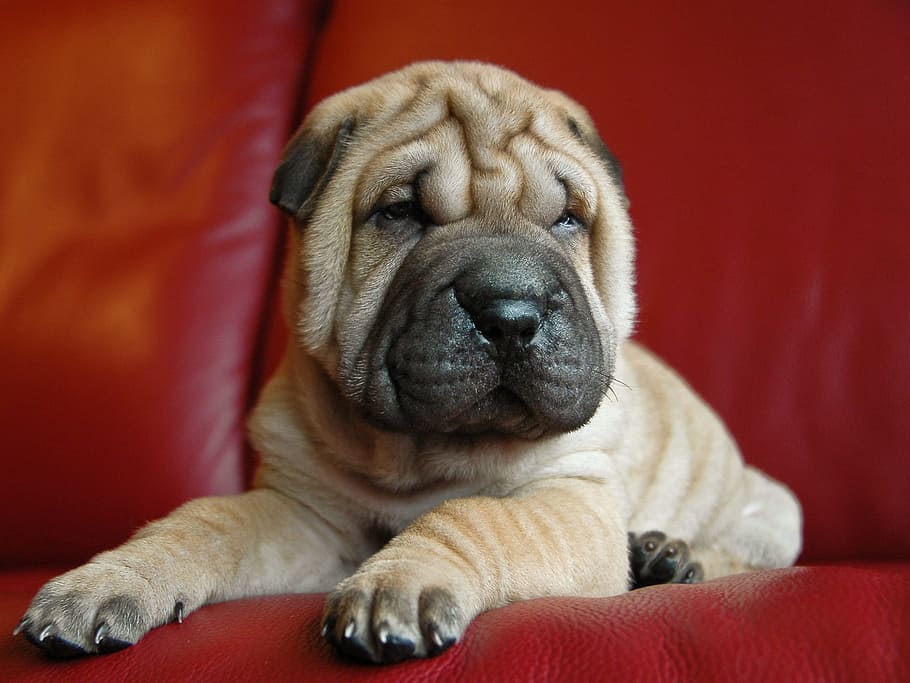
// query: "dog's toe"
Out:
[442,621]
[345,624]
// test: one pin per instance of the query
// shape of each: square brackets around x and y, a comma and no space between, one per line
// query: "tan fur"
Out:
[426,529]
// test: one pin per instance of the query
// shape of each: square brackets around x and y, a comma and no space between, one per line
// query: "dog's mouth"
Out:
[483,346]
[500,411]
[475,402]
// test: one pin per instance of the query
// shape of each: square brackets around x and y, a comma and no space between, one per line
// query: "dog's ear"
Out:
[593,140]
[306,166]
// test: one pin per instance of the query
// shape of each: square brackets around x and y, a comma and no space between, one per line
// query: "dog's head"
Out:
[462,253]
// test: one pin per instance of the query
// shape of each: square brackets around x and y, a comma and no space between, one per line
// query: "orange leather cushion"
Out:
[138,141]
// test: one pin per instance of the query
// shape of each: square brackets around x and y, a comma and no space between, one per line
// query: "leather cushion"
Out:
[805,623]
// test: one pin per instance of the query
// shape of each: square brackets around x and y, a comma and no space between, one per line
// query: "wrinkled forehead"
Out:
[474,146]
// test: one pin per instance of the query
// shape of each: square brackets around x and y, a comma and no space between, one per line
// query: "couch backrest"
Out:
[766,150]
[766,155]
[137,143]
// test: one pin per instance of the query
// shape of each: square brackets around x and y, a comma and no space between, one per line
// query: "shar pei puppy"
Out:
[460,420]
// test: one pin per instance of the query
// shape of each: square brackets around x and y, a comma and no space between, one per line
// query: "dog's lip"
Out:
[520,421]
[497,394]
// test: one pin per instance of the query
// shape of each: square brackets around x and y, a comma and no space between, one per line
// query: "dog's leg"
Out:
[416,596]
[760,529]
[209,550]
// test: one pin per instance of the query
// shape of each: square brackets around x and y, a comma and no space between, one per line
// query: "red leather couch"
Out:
[766,148]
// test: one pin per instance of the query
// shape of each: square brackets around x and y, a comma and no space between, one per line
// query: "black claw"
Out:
[101,633]
[109,645]
[436,642]
[350,644]
[105,643]
[641,548]
[178,613]
[354,646]
[394,648]
[54,645]
[693,573]
[664,566]
[23,622]
[328,630]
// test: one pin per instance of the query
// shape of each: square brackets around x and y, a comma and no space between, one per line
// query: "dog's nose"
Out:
[509,324]
[506,292]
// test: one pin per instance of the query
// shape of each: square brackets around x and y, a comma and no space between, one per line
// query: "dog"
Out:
[460,420]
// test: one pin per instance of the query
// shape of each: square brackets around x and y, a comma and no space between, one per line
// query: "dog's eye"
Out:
[400,211]
[568,222]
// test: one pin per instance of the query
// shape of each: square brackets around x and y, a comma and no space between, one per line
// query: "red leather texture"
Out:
[802,624]
[138,141]
[766,153]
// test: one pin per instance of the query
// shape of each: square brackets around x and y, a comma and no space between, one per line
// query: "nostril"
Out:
[506,322]
[493,333]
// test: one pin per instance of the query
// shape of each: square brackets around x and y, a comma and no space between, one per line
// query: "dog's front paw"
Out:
[656,559]
[386,618]
[96,608]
